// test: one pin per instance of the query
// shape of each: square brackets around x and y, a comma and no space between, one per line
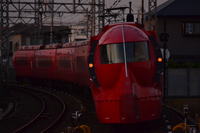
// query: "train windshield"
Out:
[114,53]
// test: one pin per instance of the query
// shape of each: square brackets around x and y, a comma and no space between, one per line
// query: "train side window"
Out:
[114,53]
[44,62]
[81,63]
[64,63]
[21,61]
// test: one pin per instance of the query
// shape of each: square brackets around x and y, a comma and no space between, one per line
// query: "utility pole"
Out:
[88,23]
[36,22]
[142,18]
[32,12]
[152,5]
[153,10]
[4,46]
[36,10]
[93,23]
[40,14]
[52,21]
[39,11]
[101,11]
[164,37]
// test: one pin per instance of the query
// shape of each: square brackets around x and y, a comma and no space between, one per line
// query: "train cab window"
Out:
[114,53]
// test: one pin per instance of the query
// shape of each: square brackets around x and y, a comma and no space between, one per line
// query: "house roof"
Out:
[176,8]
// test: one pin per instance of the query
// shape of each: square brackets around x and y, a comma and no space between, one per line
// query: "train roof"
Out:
[114,34]
[30,47]
[54,46]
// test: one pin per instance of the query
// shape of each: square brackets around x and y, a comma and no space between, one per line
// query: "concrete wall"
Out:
[183,82]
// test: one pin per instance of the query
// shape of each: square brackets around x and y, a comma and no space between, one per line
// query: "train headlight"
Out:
[159,59]
[91,65]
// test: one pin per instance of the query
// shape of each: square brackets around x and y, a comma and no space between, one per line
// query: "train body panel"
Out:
[65,64]
[125,69]
[81,65]
[45,64]
[130,33]
[119,65]
[23,63]
[72,64]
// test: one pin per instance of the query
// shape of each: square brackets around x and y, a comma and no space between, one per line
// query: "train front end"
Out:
[122,64]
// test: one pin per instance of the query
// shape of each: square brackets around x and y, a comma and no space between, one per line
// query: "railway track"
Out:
[170,119]
[52,109]
[36,110]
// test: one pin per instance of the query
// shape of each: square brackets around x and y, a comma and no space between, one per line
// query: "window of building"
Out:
[83,32]
[192,28]
[114,53]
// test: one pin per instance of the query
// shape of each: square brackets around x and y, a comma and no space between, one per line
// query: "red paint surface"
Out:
[118,99]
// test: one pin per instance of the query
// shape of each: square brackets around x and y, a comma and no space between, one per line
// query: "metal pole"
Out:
[4,46]
[164,73]
[103,19]
[101,14]
[142,19]
[35,22]
[88,20]
[52,21]
[152,5]
[164,38]
[40,14]
[93,18]
[74,6]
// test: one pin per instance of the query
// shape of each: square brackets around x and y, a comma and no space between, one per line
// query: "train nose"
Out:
[116,104]
[127,101]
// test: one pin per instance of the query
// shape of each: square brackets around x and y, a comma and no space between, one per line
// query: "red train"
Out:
[119,65]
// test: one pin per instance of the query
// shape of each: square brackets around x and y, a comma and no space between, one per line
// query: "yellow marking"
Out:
[84,128]
[182,126]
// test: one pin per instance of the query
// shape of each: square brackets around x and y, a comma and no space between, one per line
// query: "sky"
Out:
[136,5]
[73,19]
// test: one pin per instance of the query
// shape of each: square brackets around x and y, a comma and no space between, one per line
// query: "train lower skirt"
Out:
[128,110]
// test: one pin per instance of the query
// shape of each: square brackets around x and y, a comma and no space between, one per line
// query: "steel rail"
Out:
[51,125]
[36,117]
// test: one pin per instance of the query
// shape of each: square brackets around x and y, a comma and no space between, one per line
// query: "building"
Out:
[181,19]
[78,33]
[29,34]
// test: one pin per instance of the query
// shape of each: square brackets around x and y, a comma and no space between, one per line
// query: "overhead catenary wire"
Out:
[116,2]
